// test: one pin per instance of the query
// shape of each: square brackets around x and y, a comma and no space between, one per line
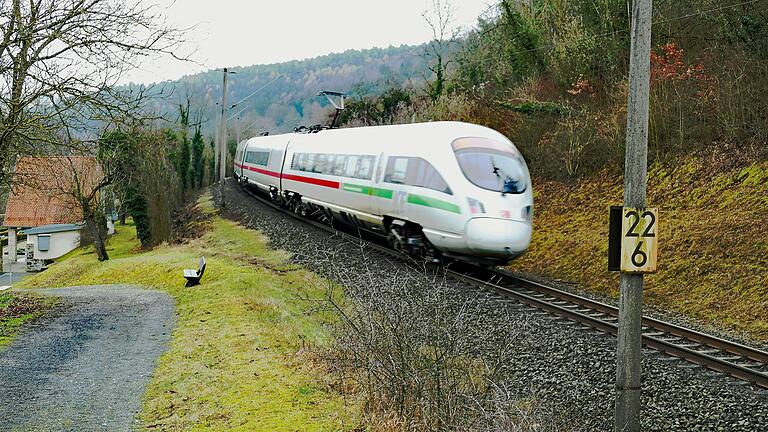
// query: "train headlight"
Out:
[475,206]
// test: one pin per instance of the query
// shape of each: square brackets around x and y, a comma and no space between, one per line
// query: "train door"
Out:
[275,166]
[431,202]
[239,158]
[393,187]
[379,192]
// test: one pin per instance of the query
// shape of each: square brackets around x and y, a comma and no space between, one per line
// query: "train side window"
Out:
[351,166]
[422,174]
[261,158]
[321,163]
[330,164]
[339,165]
[364,167]
[309,162]
[397,167]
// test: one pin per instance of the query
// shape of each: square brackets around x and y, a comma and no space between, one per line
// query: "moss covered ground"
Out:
[17,308]
[240,355]
[713,244]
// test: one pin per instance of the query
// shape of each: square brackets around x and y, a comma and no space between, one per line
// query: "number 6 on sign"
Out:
[639,241]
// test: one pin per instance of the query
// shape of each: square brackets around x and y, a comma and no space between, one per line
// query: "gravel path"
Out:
[85,366]
[570,370]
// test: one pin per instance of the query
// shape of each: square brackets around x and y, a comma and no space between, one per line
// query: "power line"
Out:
[707,11]
[250,95]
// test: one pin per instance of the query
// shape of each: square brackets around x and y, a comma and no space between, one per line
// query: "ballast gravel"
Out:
[86,364]
[569,369]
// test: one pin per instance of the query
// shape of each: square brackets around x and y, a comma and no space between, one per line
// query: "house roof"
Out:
[49,229]
[41,191]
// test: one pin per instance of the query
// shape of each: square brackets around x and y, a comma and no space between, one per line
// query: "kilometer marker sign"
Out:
[633,242]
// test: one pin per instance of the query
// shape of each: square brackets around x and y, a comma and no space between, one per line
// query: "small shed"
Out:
[48,242]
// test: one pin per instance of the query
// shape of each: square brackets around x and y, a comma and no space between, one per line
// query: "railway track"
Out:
[730,358]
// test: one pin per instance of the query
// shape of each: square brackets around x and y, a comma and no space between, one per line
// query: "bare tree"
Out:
[440,19]
[87,190]
[60,61]
[72,186]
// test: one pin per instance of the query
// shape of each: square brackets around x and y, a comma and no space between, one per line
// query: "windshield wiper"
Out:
[509,185]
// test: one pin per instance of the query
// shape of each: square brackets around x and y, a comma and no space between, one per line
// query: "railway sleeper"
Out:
[654,334]
[751,365]
[730,359]
[689,365]
[709,351]
[690,345]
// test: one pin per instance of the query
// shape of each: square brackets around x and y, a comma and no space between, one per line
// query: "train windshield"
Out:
[492,165]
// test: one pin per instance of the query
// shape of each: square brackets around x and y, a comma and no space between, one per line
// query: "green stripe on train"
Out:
[366,190]
[434,203]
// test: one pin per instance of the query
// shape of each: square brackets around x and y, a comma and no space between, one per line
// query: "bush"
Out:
[426,355]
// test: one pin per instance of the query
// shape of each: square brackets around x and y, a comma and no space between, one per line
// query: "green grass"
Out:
[712,263]
[16,309]
[240,357]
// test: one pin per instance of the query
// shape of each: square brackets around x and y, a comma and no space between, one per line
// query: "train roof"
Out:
[418,139]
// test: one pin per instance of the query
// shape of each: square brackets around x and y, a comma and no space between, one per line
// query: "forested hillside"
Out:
[552,76]
[288,95]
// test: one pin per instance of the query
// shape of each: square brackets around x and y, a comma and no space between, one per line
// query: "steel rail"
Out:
[731,347]
[654,330]
[658,335]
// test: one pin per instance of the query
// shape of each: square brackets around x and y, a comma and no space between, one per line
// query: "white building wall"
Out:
[12,244]
[61,243]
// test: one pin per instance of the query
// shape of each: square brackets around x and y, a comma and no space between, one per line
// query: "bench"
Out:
[193,276]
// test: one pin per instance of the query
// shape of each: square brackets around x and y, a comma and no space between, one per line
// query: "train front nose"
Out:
[498,238]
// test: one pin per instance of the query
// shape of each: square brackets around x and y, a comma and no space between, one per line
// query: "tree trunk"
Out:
[98,235]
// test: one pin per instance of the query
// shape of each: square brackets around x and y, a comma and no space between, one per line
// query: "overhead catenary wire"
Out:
[251,95]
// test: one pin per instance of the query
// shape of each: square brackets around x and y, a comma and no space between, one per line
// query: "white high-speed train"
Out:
[449,188]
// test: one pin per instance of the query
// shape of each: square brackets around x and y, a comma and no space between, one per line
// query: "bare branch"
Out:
[60,61]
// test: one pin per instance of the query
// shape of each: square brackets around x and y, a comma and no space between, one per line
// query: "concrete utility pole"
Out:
[221,146]
[629,352]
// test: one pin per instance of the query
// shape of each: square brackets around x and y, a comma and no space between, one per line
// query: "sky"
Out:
[230,33]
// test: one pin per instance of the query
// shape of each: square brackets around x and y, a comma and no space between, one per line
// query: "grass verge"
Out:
[712,240]
[16,309]
[240,355]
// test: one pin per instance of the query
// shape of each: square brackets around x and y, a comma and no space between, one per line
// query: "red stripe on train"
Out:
[262,171]
[312,180]
[298,178]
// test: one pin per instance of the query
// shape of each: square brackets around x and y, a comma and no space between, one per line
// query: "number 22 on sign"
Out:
[640,240]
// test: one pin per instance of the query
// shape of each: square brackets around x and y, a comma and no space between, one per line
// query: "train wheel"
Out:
[395,242]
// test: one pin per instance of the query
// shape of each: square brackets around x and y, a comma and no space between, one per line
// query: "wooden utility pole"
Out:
[221,141]
[629,351]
